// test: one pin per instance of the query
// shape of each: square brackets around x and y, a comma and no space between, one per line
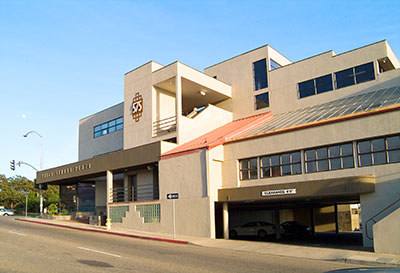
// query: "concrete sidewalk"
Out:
[268,248]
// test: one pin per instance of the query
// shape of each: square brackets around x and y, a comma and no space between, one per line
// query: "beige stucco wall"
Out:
[238,72]
[186,175]
[207,120]
[90,146]
[192,217]
[139,80]
[387,234]
[282,82]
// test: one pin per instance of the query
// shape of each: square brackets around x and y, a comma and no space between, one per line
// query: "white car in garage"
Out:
[260,229]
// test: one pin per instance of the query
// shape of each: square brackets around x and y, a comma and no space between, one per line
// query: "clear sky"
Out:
[61,61]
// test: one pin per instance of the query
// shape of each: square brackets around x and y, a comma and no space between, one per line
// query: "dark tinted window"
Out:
[262,101]
[379,151]
[260,74]
[344,78]
[329,158]
[306,89]
[108,127]
[365,72]
[324,83]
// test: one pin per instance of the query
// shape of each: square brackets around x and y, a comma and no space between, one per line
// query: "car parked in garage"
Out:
[294,229]
[260,229]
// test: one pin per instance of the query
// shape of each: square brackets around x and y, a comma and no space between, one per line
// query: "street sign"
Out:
[173,195]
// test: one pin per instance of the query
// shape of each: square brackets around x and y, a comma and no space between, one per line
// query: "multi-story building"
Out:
[255,137]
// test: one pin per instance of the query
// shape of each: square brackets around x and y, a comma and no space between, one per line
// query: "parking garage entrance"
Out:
[328,216]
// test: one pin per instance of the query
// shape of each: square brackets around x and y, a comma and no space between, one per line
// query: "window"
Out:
[306,89]
[262,101]
[378,151]
[248,169]
[329,158]
[323,84]
[108,127]
[364,73]
[315,86]
[273,65]
[355,75]
[260,74]
[280,165]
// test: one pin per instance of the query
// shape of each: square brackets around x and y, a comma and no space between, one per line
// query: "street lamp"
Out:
[41,167]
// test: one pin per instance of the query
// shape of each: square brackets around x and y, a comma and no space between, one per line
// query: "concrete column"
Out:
[312,214]
[225,219]
[126,186]
[109,190]
[178,101]
[277,224]
[336,219]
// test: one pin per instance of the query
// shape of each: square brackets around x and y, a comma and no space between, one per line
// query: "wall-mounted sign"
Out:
[173,195]
[68,170]
[137,107]
[278,192]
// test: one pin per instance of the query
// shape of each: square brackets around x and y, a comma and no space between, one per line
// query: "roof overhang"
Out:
[197,88]
[116,162]
[347,187]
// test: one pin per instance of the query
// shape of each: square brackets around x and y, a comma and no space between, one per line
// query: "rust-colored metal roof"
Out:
[218,136]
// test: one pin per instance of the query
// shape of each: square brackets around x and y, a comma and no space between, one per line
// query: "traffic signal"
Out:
[12,165]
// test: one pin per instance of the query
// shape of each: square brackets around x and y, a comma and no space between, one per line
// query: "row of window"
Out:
[108,127]
[376,151]
[343,78]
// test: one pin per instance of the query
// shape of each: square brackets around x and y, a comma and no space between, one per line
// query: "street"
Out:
[27,247]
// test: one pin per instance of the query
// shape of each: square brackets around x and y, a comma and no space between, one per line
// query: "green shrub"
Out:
[52,209]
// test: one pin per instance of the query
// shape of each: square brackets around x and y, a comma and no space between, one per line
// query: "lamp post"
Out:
[41,167]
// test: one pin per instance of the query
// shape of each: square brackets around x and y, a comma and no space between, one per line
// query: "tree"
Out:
[13,189]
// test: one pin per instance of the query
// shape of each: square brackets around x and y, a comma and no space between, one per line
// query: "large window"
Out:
[378,151]
[262,101]
[315,86]
[329,158]
[260,74]
[248,168]
[279,165]
[108,127]
[355,75]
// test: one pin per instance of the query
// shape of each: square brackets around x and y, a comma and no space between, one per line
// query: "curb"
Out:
[174,241]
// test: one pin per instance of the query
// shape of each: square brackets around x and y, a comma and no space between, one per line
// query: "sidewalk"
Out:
[271,248]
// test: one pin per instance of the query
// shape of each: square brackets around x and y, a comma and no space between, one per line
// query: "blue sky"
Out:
[63,60]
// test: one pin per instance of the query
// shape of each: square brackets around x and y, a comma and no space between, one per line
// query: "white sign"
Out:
[278,192]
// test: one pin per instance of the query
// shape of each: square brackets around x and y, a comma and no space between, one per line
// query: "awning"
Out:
[117,162]
[327,188]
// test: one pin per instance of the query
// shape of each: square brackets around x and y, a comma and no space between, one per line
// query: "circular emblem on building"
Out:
[137,107]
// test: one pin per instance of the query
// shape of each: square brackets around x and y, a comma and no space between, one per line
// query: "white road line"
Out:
[101,252]
[16,233]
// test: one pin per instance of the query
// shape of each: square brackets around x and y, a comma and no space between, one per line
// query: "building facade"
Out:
[253,138]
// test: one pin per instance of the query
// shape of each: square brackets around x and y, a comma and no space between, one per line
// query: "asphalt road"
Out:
[27,247]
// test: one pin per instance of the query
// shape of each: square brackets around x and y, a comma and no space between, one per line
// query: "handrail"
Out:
[164,126]
[372,218]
